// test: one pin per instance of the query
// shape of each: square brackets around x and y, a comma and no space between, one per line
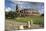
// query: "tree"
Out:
[16,6]
[42,14]
[10,14]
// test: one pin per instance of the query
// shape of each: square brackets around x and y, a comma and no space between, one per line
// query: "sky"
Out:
[11,5]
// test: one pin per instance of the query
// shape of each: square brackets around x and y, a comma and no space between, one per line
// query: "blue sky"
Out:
[34,5]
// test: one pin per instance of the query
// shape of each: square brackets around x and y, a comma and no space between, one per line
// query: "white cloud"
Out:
[8,9]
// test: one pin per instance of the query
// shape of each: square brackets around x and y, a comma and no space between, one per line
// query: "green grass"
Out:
[36,19]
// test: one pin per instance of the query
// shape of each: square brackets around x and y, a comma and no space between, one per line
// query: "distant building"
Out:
[28,12]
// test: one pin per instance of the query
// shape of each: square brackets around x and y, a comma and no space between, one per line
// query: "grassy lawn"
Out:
[35,19]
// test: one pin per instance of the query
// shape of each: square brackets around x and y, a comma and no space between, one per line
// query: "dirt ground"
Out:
[13,25]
